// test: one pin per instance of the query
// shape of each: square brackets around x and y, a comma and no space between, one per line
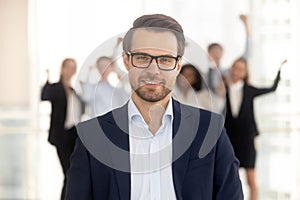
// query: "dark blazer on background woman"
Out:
[55,93]
[244,124]
[59,136]
[242,129]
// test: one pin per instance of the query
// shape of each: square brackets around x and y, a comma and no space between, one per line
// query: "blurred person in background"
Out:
[240,122]
[215,53]
[105,94]
[63,98]
[190,90]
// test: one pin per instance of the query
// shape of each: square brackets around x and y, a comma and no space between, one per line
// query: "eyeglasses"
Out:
[143,61]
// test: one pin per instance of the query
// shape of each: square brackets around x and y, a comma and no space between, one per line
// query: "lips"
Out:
[152,82]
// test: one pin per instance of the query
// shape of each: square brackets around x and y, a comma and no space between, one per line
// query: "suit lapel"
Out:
[243,100]
[63,96]
[118,126]
[182,129]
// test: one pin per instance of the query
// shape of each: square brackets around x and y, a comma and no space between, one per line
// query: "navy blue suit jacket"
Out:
[205,165]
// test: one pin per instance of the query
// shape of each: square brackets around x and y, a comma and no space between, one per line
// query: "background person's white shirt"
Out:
[150,157]
[73,112]
[235,97]
[102,97]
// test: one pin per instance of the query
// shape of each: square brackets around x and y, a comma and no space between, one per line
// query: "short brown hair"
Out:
[104,58]
[164,22]
[214,45]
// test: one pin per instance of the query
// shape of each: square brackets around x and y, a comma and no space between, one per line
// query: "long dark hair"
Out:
[197,86]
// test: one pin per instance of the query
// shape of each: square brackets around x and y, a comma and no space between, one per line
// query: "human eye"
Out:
[165,60]
[142,58]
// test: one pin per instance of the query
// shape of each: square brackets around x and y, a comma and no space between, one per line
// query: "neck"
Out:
[66,81]
[152,112]
[235,80]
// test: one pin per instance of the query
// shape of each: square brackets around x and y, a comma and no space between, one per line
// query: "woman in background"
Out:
[240,122]
[63,99]
[189,90]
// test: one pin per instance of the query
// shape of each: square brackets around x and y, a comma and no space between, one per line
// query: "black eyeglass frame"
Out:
[130,54]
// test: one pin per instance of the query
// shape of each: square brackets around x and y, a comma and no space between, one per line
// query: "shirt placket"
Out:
[154,162]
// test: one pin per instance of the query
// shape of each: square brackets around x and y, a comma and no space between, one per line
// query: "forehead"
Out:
[239,65]
[70,63]
[154,40]
[104,62]
[216,49]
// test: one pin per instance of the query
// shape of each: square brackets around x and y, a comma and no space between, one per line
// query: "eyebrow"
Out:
[167,55]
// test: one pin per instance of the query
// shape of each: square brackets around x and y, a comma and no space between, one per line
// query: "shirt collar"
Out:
[134,112]
[237,85]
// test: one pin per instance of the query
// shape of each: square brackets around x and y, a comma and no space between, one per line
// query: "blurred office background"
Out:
[38,34]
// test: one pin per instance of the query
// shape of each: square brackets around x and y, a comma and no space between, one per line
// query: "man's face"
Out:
[216,54]
[152,84]
[105,67]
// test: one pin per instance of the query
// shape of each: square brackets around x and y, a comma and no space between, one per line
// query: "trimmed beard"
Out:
[151,96]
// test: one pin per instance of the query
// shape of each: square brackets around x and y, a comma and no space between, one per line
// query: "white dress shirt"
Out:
[235,97]
[102,97]
[73,114]
[150,156]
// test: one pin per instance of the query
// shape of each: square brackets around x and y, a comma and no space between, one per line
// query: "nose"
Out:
[154,66]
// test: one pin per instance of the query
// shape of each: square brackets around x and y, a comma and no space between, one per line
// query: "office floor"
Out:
[29,168]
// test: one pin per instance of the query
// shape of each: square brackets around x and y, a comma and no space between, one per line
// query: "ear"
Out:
[125,60]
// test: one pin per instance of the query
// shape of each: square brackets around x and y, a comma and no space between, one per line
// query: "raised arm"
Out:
[247,51]
[47,91]
[88,89]
[261,91]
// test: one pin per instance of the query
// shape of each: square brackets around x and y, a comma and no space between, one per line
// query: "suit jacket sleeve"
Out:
[47,92]
[227,181]
[79,176]
[261,91]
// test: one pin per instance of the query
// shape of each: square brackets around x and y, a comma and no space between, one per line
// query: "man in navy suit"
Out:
[154,147]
